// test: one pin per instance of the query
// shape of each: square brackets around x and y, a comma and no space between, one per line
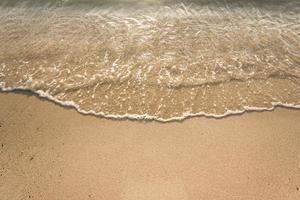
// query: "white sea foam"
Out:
[184,116]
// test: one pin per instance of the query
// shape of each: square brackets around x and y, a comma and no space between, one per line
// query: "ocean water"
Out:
[154,59]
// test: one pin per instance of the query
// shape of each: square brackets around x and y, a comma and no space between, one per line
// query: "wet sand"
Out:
[51,152]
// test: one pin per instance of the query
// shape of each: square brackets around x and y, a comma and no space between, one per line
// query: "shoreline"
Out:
[136,117]
[53,152]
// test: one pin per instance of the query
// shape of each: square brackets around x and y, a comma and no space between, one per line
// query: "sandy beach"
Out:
[138,73]
[51,152]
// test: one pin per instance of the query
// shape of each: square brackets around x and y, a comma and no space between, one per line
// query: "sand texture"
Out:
[54,153]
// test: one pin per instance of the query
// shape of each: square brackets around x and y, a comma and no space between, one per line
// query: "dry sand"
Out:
[54,153]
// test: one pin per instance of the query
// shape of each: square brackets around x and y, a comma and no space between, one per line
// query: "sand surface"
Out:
[54,153]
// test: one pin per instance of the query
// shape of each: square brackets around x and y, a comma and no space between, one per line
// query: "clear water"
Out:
[162,60]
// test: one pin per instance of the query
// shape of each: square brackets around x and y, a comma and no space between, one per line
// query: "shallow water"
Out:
[154,61]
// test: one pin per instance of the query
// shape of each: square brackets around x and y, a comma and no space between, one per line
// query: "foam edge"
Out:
[184,116]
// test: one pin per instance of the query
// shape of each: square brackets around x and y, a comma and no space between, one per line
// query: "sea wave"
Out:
[154,62]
